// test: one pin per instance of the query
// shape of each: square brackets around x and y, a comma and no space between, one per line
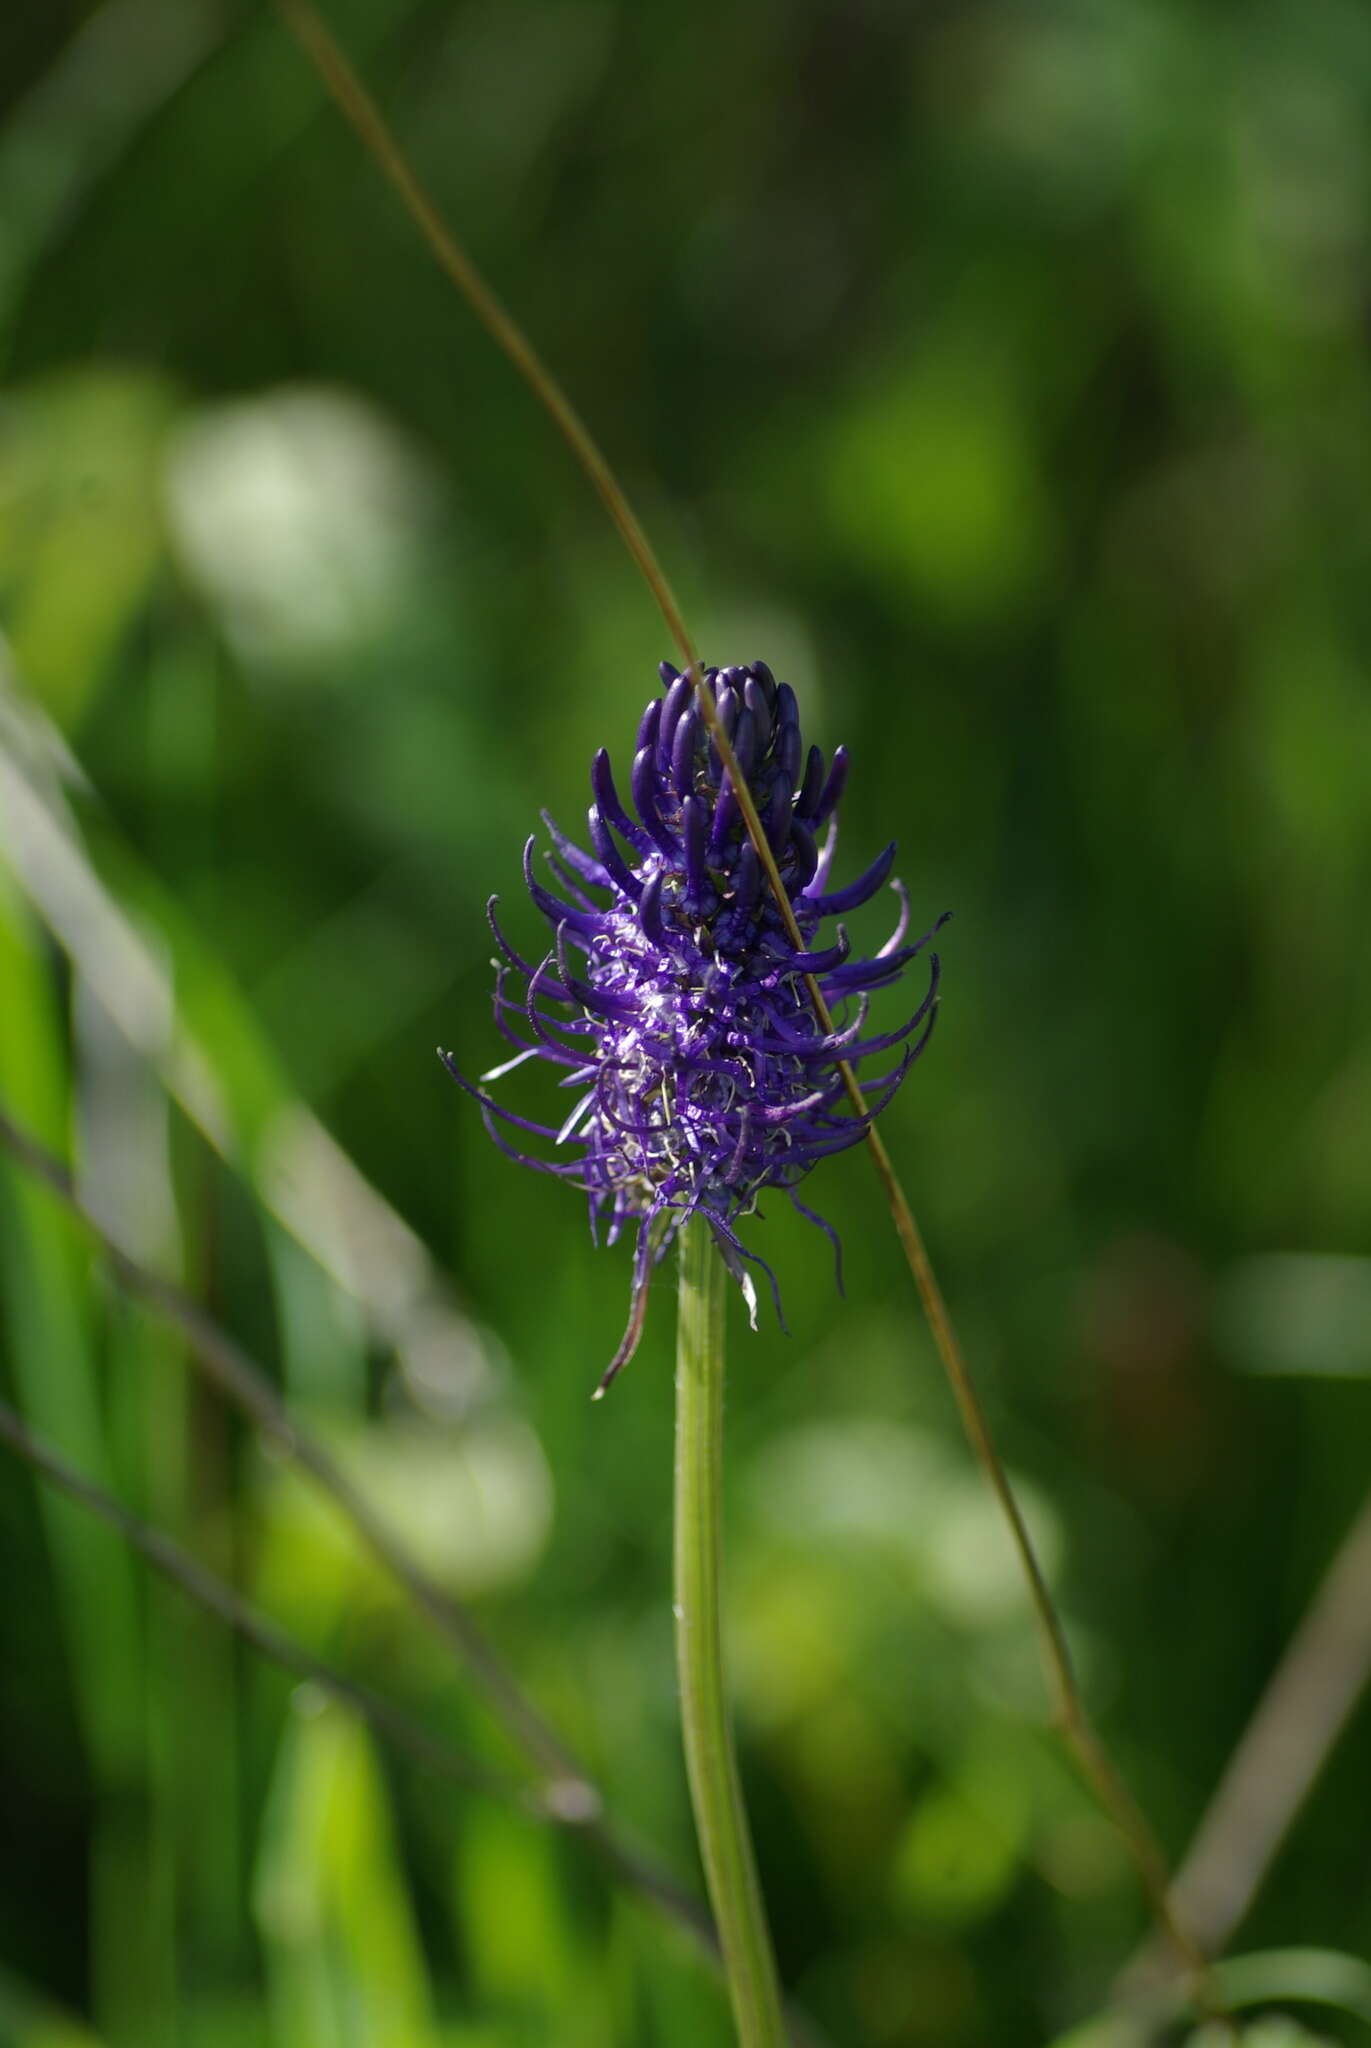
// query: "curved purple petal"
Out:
[611,860]
[607,797]
[557,913]
[858,892]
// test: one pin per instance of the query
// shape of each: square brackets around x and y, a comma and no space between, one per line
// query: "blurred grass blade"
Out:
[344,1961]
[45,1301]
[175,1465]
[1299,1976]
[512,1920]
[175,1003]
[1275,1977]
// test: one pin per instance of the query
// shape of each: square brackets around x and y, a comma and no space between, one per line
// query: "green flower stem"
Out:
[711,1764]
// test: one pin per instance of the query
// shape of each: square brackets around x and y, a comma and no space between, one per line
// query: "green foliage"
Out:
[343,1955]
[998,373]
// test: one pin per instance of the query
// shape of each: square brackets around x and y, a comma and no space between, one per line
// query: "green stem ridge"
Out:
[711,1763]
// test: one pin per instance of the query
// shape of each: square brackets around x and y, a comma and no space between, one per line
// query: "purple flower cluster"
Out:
[680,1016]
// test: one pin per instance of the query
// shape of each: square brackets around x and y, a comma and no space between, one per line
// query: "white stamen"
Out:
[569,1126]
[493,1073]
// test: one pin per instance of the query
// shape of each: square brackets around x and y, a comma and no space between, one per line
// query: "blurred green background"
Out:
[999,373]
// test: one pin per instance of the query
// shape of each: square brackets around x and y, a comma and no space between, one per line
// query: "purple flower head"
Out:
[672,998]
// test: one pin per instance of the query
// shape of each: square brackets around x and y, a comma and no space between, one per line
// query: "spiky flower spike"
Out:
[702,1074]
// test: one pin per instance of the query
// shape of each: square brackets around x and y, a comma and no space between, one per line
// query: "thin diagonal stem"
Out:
[361,110]
[247,1386]
[1069,1704]
[209,1591]
[1277,1758]
[711,1762]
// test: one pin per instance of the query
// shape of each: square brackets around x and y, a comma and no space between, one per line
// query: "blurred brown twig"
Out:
[248,1387]
[1269,1775]
[212,1593]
